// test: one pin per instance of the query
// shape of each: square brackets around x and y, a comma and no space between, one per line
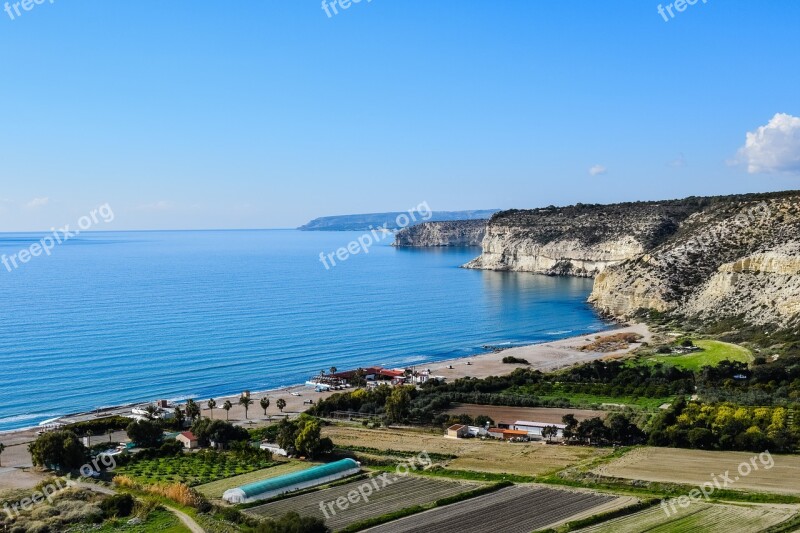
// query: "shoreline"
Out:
[546,356]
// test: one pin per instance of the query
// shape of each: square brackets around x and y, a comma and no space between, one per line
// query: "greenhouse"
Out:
[310,477]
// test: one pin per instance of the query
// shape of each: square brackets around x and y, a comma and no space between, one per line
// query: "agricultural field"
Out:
[216,489]
[713,353]
[517,509]
[527,459]
[192,469]
[403,492]
[547,415]
[695,467]
[703,517]
[596,400]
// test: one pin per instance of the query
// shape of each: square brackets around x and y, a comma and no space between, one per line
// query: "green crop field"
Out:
[713,352]
[191,469]
[697,517]
[580,400]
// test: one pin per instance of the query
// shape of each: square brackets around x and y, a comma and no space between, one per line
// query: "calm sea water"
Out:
[113,318]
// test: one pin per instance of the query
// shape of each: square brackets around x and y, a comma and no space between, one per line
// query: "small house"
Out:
[457,431]
[188,440]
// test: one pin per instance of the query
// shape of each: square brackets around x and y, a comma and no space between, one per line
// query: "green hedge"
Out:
[472,494]
[604,517]
[378,520]
[99,426]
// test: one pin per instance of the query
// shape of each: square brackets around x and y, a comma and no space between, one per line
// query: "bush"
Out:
[99,426]
[119,506]
[145,434]
[294,523]
[58,450]
[510,360]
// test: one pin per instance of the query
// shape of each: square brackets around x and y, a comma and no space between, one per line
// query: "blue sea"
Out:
[120,317]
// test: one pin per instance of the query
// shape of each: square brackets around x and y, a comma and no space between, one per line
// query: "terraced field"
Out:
[401,493]
[699,517]
[518,509]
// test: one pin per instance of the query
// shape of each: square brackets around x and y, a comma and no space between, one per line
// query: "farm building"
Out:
[310,477]
[457,431]
[188,440]
[507,434]
[534,429]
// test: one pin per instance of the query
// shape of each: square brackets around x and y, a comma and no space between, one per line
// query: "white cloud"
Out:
[598,170]
[37,202]
[774,147]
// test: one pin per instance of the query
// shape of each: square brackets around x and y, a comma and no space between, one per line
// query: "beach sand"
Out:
[546,356]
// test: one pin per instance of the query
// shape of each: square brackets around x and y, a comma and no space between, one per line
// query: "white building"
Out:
[534,429]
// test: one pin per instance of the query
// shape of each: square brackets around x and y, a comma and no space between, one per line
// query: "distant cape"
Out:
[366,222]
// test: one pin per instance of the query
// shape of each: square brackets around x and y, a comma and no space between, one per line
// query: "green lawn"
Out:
[713,352]
[191,469]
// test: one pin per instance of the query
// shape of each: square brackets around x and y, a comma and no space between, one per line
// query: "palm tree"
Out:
[227,406]
[211,405]
[110,432]
[179,417]
[246,401]
[281,403]
[89,434]
[333,370]
[2,449]
[264,405]
[192,409]
[151,411]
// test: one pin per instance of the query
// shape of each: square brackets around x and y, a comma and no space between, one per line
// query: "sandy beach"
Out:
[547,356]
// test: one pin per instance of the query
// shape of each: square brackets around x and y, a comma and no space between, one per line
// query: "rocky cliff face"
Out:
[457,233]
[707,259]
[737,259]
[580,240]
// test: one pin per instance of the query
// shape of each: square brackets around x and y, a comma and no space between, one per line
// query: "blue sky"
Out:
[266,114]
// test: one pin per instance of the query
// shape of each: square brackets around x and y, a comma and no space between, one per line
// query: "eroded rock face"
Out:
[705,258]
[738,259]
[456,233]
[580,240]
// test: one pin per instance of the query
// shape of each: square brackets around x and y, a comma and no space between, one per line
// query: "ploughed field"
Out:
[700,517]
[530,459]
[517,509]
[393,493]
[696,467]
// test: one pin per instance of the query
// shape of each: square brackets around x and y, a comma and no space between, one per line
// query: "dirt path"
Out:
[187,520]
